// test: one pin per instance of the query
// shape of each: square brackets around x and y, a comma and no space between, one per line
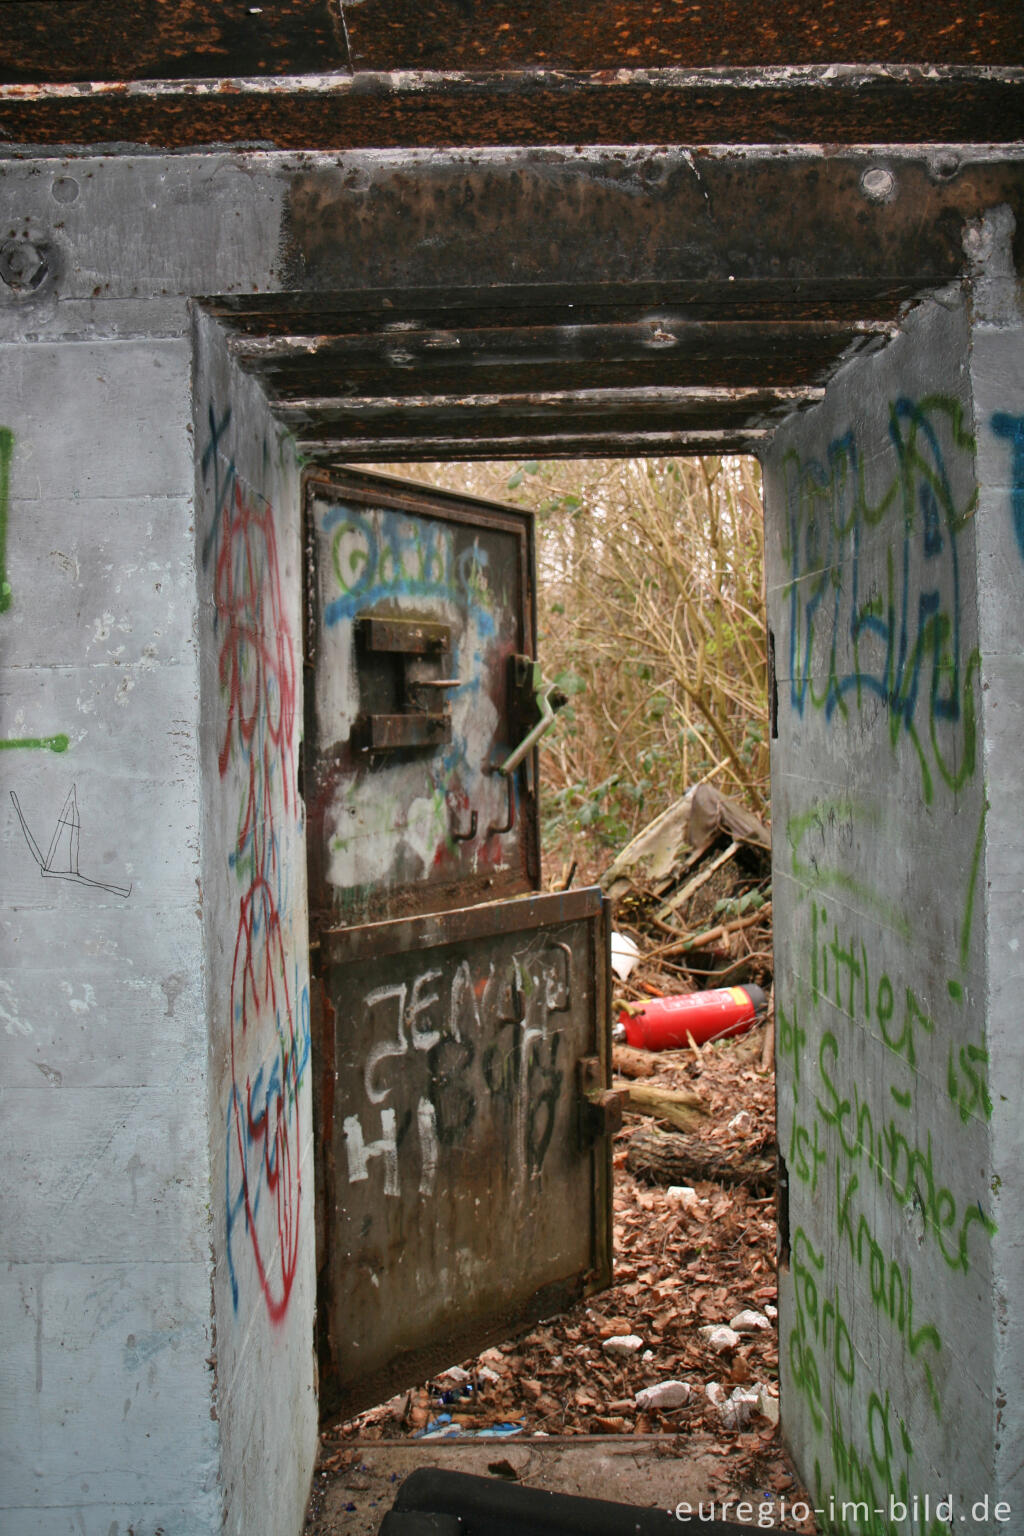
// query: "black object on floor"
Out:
[487,1506]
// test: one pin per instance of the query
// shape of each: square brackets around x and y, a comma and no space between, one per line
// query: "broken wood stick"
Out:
[681,1109]
[661,1157]
[711,935]
[693,886]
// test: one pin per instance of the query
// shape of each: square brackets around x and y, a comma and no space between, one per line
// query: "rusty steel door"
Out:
[460,1019]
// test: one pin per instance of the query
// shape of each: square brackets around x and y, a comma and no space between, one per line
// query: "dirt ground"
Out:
[561,1404]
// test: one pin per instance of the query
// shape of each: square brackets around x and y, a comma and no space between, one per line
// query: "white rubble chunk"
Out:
[682,1194]
[623,1344]
[741,1123]
[740,1407]
[719,1338]
[749,1322]
[767,1405]
[664,1394]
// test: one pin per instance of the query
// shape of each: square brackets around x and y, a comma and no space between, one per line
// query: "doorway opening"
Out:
[654,785]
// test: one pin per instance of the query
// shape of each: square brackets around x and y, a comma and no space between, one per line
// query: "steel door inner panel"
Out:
[465,1191]
[419,602]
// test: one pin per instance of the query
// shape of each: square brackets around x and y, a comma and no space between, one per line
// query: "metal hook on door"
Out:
[510,819]
[463,837]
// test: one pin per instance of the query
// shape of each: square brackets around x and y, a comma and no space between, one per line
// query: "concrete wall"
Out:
[890,1044]
[105,1417]
[157,1373]
[997,378]
[248,530]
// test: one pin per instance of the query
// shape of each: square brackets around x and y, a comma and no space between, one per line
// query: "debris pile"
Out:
[691,893]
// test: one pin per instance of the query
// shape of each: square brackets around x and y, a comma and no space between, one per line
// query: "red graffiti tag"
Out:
[269,1046]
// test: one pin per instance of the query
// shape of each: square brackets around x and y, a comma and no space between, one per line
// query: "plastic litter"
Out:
[625,955]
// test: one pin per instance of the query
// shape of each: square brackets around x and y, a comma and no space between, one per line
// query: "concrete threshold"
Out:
[646,1470]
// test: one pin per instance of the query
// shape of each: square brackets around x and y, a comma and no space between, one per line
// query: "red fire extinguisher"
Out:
[665,1024]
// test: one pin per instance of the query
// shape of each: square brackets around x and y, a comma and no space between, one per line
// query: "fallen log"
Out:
[660,1157]
[629,1061]
[681,1109]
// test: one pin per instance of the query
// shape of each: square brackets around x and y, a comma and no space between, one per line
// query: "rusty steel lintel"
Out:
[394,108]
[569,446]
[566,445]
[645,215]
[597,403]
[341,946]
[488,346]
[395,311]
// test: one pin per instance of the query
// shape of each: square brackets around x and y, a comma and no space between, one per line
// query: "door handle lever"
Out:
[547,699]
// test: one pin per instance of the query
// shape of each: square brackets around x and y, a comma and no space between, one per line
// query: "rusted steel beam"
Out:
[597,403]
[553,304]
[464,351]
[151,40]
[607,445]
[672,422]
[402,34]
[534,106]
[747,362]
[107,40]
[560,216]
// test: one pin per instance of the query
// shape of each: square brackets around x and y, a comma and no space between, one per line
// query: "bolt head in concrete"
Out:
[23,266]
[878,185]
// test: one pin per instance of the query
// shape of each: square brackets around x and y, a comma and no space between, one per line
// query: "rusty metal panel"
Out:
[465,1176]
[419,602]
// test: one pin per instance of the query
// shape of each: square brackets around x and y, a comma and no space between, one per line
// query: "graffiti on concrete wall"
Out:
[268,1006]
[437,818]
[1012,428]
[877,621]
[883,1062]
[58,742]
[61,860]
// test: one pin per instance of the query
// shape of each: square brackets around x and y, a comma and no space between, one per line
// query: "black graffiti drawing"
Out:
[61,861]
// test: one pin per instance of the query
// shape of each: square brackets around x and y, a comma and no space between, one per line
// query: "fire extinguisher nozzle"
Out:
[757,997]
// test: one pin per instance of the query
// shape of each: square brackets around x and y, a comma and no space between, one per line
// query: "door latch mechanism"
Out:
[533,706]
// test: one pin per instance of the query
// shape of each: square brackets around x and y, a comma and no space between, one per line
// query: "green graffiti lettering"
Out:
[58,743]
[6,454]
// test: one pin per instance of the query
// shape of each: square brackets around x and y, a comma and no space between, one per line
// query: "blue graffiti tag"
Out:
[905,611]
[1012,427]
